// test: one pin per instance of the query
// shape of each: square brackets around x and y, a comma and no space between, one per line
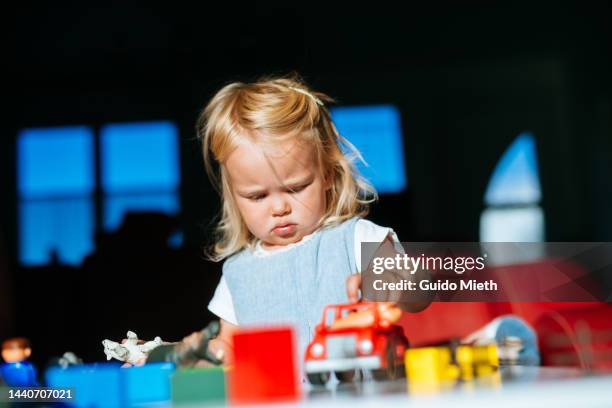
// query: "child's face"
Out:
[262,180]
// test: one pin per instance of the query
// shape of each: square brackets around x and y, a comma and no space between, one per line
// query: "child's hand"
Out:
[217,348]
[353,283]
[221,349]
[408,301]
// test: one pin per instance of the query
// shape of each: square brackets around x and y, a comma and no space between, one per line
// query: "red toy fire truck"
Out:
[357,336]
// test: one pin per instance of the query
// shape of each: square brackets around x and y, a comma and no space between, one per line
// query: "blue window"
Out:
[116,206]
[55,181]
[140,169]
[376,131]
[515,179]
[139,157]
[60,230]
[55,162]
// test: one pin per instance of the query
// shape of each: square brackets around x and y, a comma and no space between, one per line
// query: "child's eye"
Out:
[257,197]
[298,188]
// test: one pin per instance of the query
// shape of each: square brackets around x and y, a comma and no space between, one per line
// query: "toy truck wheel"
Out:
[345,376]
[392,371]
[318,378]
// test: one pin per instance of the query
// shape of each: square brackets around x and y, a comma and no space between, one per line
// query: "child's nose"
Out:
[280,206]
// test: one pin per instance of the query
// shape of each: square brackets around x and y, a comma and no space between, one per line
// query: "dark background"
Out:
[468,77]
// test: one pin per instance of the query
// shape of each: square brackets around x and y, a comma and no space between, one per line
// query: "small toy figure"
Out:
[357,336]
[17,372]
[130,351]
[191,351]
[69,359]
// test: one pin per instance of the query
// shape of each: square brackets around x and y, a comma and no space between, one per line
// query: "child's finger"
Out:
[221,349]
[203,364]
[217,349]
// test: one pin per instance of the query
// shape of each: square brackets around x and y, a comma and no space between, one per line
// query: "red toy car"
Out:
[357,336]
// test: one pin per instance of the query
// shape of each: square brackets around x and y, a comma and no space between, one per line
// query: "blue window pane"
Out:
[139,157]
[376,131]
[115,207]
[515,179]
[55,161]
[62,227]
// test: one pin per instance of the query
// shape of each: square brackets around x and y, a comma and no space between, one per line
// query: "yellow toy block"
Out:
[430,365]
[477,360]
[464,355]
[486,355]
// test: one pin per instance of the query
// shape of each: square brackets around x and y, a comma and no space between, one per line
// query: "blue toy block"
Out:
[95,385]
[147,384]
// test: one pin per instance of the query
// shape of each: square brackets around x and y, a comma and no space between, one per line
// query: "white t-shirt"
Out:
[365,231]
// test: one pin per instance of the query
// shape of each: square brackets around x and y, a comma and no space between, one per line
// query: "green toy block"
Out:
[201,385]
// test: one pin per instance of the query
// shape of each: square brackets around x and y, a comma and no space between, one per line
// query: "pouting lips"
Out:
[284,230]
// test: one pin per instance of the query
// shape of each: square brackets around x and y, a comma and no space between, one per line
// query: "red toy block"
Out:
[265,366]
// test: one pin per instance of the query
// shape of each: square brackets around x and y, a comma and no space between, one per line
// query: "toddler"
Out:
[291,225]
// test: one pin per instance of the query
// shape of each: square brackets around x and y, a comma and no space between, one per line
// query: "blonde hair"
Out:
[277,109]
